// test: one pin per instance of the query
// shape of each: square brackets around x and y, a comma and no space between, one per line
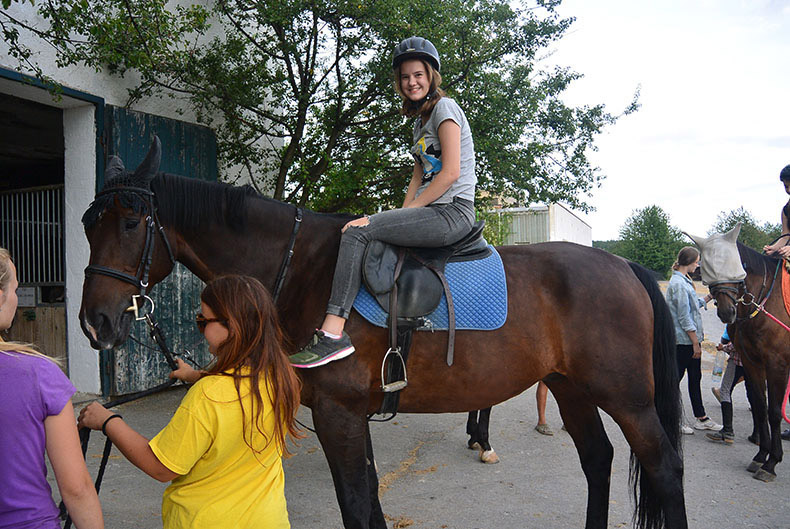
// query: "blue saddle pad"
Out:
[479,293]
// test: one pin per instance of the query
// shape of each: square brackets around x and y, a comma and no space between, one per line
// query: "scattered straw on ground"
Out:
[389,478]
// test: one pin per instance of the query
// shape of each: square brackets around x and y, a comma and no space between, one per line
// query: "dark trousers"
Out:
[693,368]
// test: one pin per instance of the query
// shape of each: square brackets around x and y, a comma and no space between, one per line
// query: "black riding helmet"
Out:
[416,48]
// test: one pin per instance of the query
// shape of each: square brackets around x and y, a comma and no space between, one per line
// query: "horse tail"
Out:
[648,513]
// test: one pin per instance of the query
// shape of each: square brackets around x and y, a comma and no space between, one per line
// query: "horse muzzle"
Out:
[103,330]
[726,313]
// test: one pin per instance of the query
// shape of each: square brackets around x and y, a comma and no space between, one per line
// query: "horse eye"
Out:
[131,224]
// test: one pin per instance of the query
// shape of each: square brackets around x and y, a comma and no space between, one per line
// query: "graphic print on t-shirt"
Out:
[429,158]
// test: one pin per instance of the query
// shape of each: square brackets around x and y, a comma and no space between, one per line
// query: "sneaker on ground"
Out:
[321,350]
[786,435]
[686,430]
[716,393]
[721,436]
[707,424]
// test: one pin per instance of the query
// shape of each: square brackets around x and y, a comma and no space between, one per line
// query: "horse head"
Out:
[722,269]
[129,253]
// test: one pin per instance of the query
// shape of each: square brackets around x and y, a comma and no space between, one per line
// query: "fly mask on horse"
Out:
[721,268]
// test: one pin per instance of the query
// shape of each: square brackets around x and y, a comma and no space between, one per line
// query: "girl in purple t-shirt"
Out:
[37,415]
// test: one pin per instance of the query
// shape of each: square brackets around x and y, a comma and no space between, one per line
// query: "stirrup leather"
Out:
[398,384]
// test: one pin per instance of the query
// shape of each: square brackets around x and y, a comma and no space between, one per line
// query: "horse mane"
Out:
[185,203]
[755,262]
[189,203]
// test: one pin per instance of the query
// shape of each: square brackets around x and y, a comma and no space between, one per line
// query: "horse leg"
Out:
[345,438]
[751,395]
[473,430]
[584,425]
[376,513]
[776,388]
[487,454]
[656,467]
[760,417]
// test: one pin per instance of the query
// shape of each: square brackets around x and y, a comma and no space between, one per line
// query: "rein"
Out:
[278,283]
[85,433]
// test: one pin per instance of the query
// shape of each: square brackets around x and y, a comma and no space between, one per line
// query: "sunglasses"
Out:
[202,321]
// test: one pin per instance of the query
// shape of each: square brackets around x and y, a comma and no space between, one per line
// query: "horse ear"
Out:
[147,170]
[699,241]
[114,168]
[732,235]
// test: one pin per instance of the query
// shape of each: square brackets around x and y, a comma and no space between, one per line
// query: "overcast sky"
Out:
[714,128]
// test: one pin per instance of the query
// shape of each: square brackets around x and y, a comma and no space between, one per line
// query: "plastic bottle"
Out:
[718,367]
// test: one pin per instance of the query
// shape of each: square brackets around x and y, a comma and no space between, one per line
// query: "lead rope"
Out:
[85,433]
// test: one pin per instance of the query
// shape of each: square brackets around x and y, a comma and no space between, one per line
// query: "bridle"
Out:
[140,279]
[153,225]
[744,298]
[731,289]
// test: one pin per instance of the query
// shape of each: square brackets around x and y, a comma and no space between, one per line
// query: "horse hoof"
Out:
[489,457]
[473,445]
[764,475]
[754,466]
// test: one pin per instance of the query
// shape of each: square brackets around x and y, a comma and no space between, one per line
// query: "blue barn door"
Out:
[188,150]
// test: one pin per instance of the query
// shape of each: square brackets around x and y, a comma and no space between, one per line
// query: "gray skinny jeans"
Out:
[430,226]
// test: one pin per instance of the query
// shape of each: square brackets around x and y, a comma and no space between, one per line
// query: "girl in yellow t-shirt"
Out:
[222,449]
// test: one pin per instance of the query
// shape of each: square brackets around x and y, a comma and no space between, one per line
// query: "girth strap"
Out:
[450,307]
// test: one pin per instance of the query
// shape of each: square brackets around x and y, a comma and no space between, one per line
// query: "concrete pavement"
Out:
[430,480]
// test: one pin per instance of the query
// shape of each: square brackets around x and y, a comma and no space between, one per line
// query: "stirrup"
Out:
[398,384]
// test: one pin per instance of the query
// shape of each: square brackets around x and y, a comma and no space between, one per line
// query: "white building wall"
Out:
[80,160]
[566,226]
[112,89]
[535,224]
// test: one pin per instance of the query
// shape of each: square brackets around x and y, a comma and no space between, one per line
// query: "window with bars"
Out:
[31,228]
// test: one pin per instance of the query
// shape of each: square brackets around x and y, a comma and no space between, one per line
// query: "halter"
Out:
[140,280]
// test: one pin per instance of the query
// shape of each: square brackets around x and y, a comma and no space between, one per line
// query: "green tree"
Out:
[304,88]
[649,239]
[752,234]
[611,246]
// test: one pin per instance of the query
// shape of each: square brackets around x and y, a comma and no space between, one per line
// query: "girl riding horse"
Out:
[439,206]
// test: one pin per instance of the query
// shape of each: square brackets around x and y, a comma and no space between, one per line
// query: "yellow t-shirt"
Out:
[223,483]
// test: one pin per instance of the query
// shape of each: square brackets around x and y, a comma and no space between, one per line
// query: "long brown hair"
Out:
[5,280]
[254,351]
[686,256]
[434,80]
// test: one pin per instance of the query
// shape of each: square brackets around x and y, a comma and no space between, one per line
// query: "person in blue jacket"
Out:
[685,305]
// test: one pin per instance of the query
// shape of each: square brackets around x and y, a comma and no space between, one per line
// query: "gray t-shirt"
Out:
[428,151]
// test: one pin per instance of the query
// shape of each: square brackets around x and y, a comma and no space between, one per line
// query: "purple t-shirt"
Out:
[31,389]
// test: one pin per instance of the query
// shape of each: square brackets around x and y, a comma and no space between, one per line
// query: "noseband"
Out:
[731,289]
[140,280]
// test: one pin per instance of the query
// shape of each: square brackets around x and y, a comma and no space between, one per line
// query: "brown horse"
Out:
[590,324]
[763,343]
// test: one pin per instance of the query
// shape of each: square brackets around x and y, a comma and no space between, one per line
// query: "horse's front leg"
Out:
[343,432]
[760,417]
[776,388]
